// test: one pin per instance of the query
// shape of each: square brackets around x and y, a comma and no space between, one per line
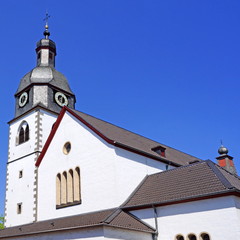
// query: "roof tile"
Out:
[135,141]
[187,182]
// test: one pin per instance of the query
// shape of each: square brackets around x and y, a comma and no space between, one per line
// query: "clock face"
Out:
[23,99]
[61,99]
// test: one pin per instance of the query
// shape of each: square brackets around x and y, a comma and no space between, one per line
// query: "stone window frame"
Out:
[191,236]
[23,134]
[204,234]
[67,148]
[68,188]
[179,237]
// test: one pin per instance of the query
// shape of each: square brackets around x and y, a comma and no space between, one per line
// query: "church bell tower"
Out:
[40,97]
[44,85]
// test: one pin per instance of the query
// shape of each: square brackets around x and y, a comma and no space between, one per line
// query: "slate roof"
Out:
[195,181]
[126,139]
[44,75]
[111,217]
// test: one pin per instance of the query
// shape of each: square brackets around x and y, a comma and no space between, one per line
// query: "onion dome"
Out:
[222,150]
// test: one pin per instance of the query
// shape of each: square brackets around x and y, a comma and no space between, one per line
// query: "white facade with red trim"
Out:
[108,174]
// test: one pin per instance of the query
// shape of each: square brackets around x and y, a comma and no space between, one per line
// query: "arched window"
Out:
[27,133]
[192,237]
[179,237]
[68,188]
[77,191]
[204,236]
[64,188]
[58,189]
[23,133]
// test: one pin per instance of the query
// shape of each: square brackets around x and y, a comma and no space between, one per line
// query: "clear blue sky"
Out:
[166,69]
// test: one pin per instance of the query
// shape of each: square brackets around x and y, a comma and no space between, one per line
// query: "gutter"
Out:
[129,148]
[234,192]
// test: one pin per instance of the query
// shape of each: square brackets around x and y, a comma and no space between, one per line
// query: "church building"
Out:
[73,176]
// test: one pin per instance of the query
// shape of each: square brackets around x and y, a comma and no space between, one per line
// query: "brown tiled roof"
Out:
[111,217]
[125,220]
[190,182]
[129,140]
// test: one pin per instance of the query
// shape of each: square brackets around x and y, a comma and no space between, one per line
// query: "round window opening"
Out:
[67,148]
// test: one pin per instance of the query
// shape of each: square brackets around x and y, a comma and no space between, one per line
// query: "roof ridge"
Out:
[113,215]
[119,211]
[138,219]
[134,191]
[219,175]
[178,168]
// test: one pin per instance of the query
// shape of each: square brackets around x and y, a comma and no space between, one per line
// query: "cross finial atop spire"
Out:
[46,32]
[46,19]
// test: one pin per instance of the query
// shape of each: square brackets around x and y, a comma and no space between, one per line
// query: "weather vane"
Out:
[46,32]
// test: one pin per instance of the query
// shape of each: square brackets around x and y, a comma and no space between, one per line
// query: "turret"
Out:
[225,161]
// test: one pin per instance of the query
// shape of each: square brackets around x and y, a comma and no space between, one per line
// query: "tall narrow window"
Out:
[58,189]
[23,133]
[70,186]
[76,182]
[20,175]
[64,188]
[26,133]
[19,208]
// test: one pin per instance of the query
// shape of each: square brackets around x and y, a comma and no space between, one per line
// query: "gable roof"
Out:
[124,139]
[112,217]
[188,183]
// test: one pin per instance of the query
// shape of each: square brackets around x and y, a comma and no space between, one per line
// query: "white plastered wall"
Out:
[118,233]
[22,157]
[218,217]
[108,174]
[93,233]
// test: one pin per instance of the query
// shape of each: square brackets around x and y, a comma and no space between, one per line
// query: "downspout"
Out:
[155,235]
